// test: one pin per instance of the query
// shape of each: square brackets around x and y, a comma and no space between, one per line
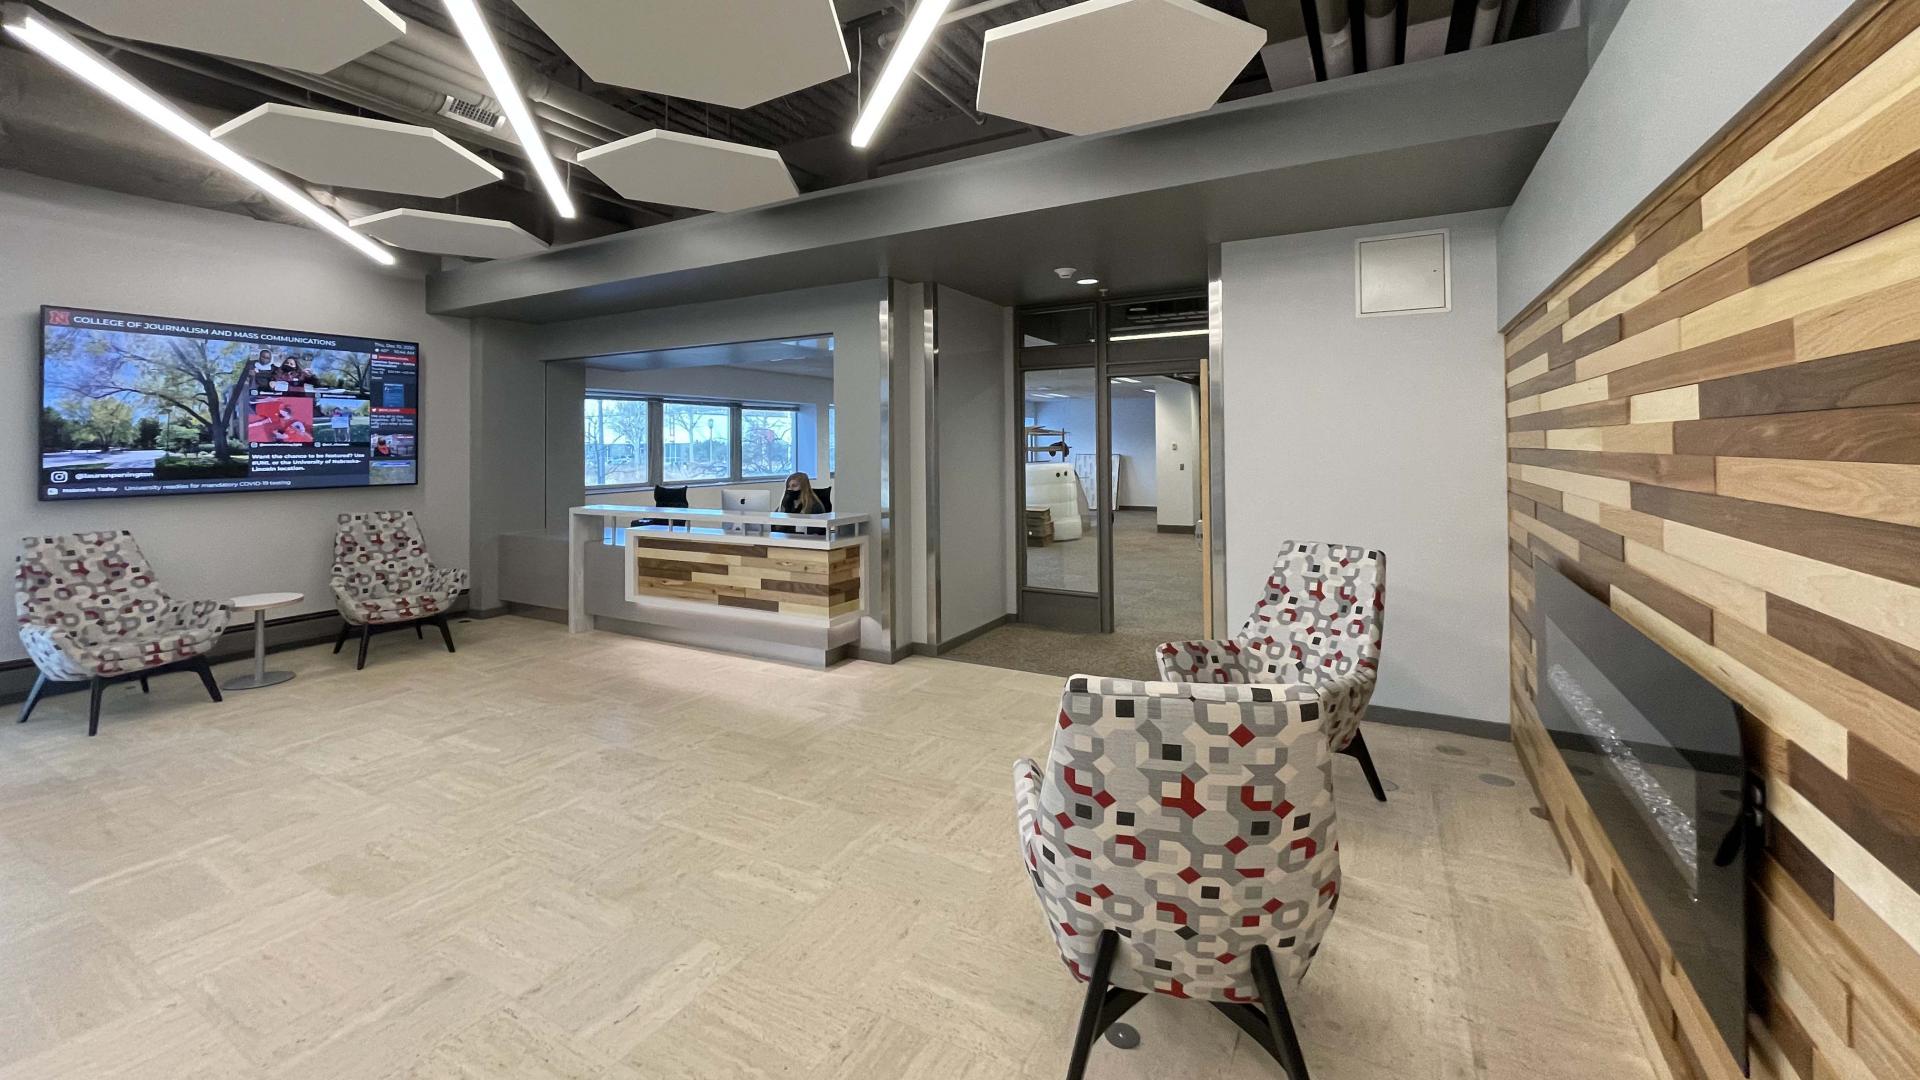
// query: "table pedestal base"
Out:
[253,682]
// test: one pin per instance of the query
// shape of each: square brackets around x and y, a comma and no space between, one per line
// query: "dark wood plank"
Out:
[803,588]
[1683,227]
[1889,433]
[1884,376]
[1593,414]
[1608,543]
[1707,285]
[1521,504]
[1764,347]
[1787,1033]
[1888,198]
[1888,785]
[1550,379]
[1538,347]
[1802,865]
[728,600]
[1880,548]
[1888,835]
[1884,664]
[1668,470]
[1542,496]
[1597,573]
[1593,340]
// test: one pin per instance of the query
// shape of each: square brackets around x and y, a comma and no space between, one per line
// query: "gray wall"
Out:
[65,244]
[972,444]
[1673,73]
[1385,432]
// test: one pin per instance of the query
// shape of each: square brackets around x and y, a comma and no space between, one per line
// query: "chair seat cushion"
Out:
[123,656]
[394,609]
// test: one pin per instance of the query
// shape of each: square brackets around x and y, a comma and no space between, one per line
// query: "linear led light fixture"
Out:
[473,27]
[55,44]
[906,52]
[1157,334]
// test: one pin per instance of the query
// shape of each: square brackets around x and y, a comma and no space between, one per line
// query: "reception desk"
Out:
[785,586]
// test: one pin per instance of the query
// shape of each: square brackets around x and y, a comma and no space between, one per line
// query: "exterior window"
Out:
[696,442]
[767,442]
[617,441]
[831,436]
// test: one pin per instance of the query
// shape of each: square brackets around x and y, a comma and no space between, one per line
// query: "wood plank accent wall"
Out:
[818,584]
[1714,425]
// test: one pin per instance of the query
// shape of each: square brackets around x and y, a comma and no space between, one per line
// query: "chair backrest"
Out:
[81,580]
[826,497]
[1194,819]
[384,548]
[672,498]
[1323,611]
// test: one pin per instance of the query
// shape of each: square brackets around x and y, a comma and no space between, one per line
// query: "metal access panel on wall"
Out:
[1404,274]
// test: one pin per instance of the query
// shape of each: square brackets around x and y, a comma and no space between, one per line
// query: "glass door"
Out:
[1061,492]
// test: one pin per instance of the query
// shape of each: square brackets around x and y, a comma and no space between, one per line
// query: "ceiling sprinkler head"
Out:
[1064,272]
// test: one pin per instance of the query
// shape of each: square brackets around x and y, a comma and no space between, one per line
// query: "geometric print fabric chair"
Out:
[383,578]
[1319,622]
[90,611]
[1181,841]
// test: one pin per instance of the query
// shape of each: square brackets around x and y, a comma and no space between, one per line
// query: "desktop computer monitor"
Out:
[750,500]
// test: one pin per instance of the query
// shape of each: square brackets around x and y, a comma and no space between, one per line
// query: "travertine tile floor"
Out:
[554,856]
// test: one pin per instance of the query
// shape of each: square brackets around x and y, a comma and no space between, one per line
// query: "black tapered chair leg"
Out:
[95,687]
[205,671]
[33,696]
[345,629]
[1357,749]
[420,631]
[1108,946]
[446,632]
[1279,1020]
[144,688]
[366,635]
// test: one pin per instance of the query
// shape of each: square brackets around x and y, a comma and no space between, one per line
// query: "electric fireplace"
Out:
[1656,750]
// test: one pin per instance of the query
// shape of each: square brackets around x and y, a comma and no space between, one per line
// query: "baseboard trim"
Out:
[1428,721]
[1124,506]
[958,640]
[1184,530]
[236,643]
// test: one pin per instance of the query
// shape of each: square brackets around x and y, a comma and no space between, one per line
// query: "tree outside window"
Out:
[695,442]
[617,441]
[766,442]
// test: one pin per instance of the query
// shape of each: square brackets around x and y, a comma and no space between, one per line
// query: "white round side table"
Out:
[258,603]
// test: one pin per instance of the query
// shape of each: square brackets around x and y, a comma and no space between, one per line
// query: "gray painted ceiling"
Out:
[811,357]
[1136,208]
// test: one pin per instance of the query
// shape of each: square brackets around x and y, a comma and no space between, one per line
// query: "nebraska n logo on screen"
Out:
[144,405]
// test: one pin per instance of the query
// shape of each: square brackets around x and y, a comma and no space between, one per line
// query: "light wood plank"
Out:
[1661,340]
[1648,438]
[1886,316]
[1598,488]
[1890,725]
[1580,393]
[1879,888]
[1665,406]
[1523,406]
[1528,370]
[1885,260]
[1527,440]
[1725,595]
[1552,537]
[1863,489]
[1542,324]
[1879,606]
[1627,297]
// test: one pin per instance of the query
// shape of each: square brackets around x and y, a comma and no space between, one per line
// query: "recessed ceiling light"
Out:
[473,27]
[1088,281]
[54,44]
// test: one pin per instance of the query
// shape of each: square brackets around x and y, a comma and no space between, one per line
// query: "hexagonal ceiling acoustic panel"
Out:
[449,234]
[310,35]
[1109,64]
[687,170]
[352,151]
[736,53]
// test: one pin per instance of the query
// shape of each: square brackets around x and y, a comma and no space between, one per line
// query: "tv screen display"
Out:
[148,405]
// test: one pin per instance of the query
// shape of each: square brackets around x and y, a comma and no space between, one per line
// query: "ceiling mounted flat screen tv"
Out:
[148,405]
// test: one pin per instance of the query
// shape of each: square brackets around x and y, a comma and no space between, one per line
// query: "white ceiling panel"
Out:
[737,53]
[352,151]
[1109,64]
[686,170]
[307,35]
[449,234]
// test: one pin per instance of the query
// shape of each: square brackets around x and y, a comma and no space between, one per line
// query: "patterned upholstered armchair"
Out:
[383,579]
[1319,622]
[90,611]
[1181,841]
